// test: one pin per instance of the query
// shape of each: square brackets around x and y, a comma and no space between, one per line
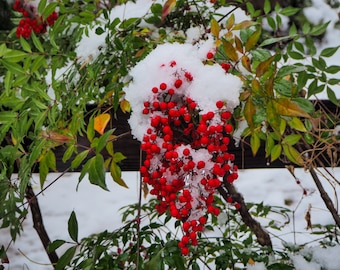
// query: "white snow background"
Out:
[97,210]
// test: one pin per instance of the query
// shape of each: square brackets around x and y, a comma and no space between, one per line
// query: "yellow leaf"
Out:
[251,261]
[215,28]
[100,122]
[246,62]
[252,40]
[125,106]
[168,7]
[297,124]
[238,44]
[230,21]
[255,86]
[292,154]
[230,51]
[264,66]
[243,25]
[249,112]
[286,107]
[116,174]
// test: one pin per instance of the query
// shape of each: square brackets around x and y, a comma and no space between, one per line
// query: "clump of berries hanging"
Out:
[186,153]
[31,21]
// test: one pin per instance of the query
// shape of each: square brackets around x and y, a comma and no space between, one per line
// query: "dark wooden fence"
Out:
[130,147]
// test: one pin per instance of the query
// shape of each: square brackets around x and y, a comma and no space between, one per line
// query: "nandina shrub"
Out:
[185,135]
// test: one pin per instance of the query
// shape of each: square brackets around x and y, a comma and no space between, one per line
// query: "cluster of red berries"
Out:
[31,21]
[186,153]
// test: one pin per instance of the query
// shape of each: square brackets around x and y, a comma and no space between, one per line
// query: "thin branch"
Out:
[38,224]
[327,200]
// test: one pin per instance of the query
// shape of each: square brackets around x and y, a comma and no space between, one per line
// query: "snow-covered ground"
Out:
[97,210]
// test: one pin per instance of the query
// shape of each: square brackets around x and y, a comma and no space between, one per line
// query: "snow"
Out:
[156,68]
[98,210]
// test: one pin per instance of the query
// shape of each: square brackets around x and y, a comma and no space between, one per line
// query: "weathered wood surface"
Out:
[131,148]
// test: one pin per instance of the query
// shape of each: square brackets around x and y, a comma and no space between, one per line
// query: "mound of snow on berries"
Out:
[210,84]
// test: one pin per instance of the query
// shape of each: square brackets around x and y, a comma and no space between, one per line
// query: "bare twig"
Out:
[327,200]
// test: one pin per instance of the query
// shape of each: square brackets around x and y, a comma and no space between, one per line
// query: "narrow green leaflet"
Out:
[255,143]
[73,227]
[291,139]
[37,42]
[116,174]
[66,258]
[79,158]
[275,152]
[14,56]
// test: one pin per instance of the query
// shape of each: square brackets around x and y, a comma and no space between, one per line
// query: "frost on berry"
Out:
[186,148]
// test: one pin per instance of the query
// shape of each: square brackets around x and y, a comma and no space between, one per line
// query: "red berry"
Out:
[162,86]
[210,55]
[219,104]
[178,83]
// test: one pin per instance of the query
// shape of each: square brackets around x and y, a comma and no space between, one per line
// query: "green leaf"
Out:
[305,104]
[309,138]
[255,143]
[14,56]
[103,140]
[13,67]
[73,227]
[109,148]
[8,82]
[332,97]
[319,29]
[297,124]
[289,11]
[292,154]
[270,41]
[117,157]
[291,139]
[155,262]
[43,171]
[295,55]
[117,174]
[314,89]
[49,9]
[332,69]
[55,244]
[41,6]
[96,170]
[328,52]
[37,42]
[290,69]
[275,152]
[267,7]
[90,130]
[66,258]
[79,159]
